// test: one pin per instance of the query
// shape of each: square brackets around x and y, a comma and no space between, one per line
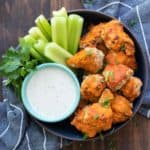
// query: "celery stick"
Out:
[36,55]
[75,24]
[29,39]
[56,53]
[43,24]
[36,33]
[40,46]
[59,31]
[36,48]
[60,13]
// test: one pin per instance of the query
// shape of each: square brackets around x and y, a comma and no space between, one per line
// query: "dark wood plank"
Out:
[68,4]
[16,17]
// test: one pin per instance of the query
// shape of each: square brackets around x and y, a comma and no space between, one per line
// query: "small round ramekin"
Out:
[26,100]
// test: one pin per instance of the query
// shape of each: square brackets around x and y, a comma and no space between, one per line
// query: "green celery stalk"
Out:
[56,53]
[40,46]
[43,24]
[60,13]
[36,55]
[75,24]
[36,33]
[29,39]
[59,31]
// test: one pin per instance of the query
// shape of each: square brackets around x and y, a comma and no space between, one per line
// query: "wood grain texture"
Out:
[16,17]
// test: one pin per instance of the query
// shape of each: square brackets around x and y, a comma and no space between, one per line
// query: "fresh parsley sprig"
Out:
[16,64]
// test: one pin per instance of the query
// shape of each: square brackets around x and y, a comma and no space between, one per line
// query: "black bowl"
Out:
[64,129]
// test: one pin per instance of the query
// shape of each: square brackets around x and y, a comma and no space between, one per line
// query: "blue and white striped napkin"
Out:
[18,131]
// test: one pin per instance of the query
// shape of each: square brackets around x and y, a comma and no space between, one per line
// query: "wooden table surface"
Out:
[16,17]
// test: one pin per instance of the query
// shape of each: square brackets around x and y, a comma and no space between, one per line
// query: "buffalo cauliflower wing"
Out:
[93,119]
[116,58]
[122,109]
[132,88]
[116,39]
[89,59]
[106,96]
[92,87]
[116,76]
[92,37]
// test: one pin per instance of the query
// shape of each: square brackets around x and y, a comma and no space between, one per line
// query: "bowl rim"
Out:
[36,114]
[146,63]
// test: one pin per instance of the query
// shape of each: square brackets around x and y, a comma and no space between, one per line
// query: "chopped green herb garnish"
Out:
[132,22]
[85,136]
[101,136]
[108,75]
[111,74]
[96,116]
[98,70]
[123,47]
[106,103]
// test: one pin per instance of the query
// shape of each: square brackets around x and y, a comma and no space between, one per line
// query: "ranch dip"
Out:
[51,92]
